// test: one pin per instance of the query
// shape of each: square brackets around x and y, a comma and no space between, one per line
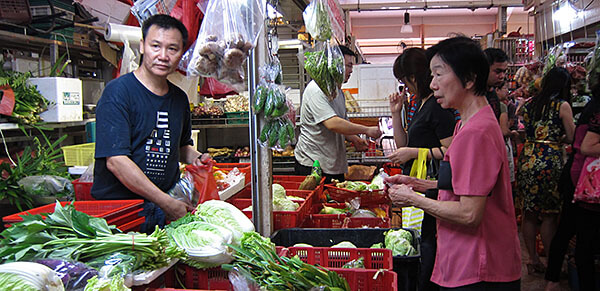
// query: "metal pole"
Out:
[260,157]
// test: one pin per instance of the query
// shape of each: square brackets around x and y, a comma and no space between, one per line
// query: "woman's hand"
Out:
[402,155]
[397,101]
[401,195]
[416,184]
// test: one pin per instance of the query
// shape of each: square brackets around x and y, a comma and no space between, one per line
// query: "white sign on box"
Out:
[65,98]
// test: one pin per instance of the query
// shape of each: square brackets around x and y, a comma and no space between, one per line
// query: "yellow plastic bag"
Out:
[412,217]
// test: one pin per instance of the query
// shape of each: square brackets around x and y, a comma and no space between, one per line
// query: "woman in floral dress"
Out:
[548,121]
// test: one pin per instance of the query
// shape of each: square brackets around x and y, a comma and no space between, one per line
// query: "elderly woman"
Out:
[478,246]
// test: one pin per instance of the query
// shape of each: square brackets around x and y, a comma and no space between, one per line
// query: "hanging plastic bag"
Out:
[325,65]
[225,40]
[204,181]
[184,190]
[322,21]
[412,217]
[277,133]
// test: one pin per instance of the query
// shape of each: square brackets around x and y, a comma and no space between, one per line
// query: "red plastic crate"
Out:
[125,218]
[392,169]
[290,181]
[369,280]
[135,225]
[316,220]
[107,209]
[83,190]
[366,197]
[282,219]
[338,257]
[245,168]
[211,279]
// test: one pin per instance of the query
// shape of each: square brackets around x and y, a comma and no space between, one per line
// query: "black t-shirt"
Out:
[494,101]
[149,129]
[429,125]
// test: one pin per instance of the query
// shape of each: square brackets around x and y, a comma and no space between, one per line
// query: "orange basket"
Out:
[135,225]
[210,279]
[338,257]
[107,209]
[369,280]
[366,197]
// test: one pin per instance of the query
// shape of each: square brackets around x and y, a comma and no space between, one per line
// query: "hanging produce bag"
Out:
[325,65]
[412,217]
[229,31]
[322,21]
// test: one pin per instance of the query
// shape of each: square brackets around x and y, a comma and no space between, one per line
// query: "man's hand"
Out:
[402,155]
[361,145]
[373,131]
[175,209]
[203,159]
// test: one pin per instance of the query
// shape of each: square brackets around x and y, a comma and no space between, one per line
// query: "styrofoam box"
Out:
[65,97]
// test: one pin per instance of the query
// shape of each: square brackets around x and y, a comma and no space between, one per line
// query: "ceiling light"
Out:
[406,28]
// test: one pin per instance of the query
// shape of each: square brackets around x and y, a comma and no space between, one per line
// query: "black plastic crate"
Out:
[407,267]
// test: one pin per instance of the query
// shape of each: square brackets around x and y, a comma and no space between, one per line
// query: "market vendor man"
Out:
[324,126]
[143,128]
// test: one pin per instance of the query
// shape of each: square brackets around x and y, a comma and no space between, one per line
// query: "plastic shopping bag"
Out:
[322,21]
[412,217]
[588,186]
[204,182]
[229,31]
[325,65]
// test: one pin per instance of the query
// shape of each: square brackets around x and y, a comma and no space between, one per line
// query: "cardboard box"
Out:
[65,97]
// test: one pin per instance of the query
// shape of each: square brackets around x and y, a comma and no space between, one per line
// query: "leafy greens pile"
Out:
[257,261]
[29,103]
[70,234]
[326,67]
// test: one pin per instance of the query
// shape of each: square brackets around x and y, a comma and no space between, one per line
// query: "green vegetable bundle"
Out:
[41,159]
[278,132]
[29,103]
[316,20]
[399,241]
[70,234]
[257,261]
[326,67]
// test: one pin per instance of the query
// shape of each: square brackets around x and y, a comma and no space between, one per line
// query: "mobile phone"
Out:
[400,88]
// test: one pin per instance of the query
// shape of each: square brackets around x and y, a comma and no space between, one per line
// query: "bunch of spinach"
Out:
[70,234]
[257,261]
[326,67]
[29,103]
[41,159]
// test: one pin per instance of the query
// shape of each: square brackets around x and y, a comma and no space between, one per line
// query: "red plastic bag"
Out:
[204,181]
[8,100]
[189,14]
[214,88]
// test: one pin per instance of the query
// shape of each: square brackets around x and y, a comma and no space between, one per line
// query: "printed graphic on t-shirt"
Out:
[158,148]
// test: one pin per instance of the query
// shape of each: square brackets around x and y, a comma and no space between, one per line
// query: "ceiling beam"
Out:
[440,4]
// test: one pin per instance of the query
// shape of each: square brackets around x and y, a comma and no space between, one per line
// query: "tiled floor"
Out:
[535,282]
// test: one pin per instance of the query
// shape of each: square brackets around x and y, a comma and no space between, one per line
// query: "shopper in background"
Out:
[505,126]
[498,61]
[143,128]
[324,126]
[431,127]
[474,211]
[570,212]
[548,121]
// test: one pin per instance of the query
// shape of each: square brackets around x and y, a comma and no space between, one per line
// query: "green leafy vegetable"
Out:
[256,260]
[399,241]
[355,264]
[15,282]
[70,234]
[225,215]
[344,244]
[29,103]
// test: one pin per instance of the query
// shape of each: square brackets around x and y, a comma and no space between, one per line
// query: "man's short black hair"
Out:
[348,52]
[466,59]
[165,22]
[495,55]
